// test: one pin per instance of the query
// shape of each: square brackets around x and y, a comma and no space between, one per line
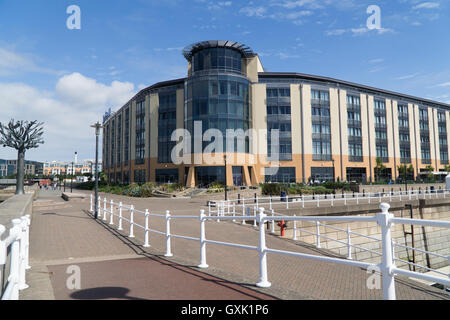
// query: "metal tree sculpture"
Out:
[21,135]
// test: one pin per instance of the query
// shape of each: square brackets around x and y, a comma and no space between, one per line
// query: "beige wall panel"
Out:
[344,122]
[364,126]
[307,124]
[334,114]
[259,113]
[296,119]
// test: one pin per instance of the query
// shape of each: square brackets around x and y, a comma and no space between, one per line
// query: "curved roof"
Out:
[190,50]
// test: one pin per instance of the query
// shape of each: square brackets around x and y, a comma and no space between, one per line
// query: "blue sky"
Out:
[68,78]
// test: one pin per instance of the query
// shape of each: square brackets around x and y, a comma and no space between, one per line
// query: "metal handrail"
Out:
[383,219]
[18,244]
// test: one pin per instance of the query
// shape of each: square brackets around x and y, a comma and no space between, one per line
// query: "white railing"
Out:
[17,244]
[324,200]
[383,219]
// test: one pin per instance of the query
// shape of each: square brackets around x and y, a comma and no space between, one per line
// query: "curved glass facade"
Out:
[220,102]
[224,59]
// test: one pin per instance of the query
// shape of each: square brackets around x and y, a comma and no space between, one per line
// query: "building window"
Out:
[166,176]
[321,124]
[140,132]
[167,124]
[139,176]
[127,136]
[279,118]
[280,175]
[322,174]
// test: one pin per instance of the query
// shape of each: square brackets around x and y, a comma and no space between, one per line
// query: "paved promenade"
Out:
[114,266]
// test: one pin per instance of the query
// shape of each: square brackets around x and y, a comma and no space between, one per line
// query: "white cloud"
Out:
[427,5]
[67,113]
[445,84]
[406,77]
[12,63]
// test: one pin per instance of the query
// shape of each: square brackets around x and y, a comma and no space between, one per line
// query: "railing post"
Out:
[357,198]
[234,212]
[287,201]
[243,211]
[147,231]
[27,242]
[14,273]
[104,209]
[131,222]
[263,281]
[202,264]
[111,214]
[120,217]
[22,255]
[317,234]
[91,203]
[209,208]
[3,251]
[387,264]
[99,207]
[255,217]
[349,244]
[168,236]
[273,221]
[295,229]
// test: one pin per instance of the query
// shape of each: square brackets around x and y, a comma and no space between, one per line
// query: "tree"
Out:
[447,168]
[22,136]
[405,171]
[430,169]
[379,169]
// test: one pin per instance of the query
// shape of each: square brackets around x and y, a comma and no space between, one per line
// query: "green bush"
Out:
[271,189]
[147,189]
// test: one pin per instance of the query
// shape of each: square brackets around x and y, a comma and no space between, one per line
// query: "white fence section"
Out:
[383,219]
[17,244]
[301,201]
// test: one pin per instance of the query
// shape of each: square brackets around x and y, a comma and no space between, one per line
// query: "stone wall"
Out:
[435,240]
[398,187]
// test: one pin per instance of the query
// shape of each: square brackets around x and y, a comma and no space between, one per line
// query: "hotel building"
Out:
[329,129]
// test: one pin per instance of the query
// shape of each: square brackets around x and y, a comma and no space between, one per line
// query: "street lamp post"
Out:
[97,127]
[226,186]
[334,170]
[71,179]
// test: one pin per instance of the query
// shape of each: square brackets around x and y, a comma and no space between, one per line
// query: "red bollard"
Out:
[283,227]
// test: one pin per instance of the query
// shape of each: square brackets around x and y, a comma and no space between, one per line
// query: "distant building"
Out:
[55,168]
[9,167]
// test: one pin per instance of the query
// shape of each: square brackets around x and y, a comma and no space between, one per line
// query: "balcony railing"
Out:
[321,157]
[405,160]
[426,161]
[355,158]
[354,123]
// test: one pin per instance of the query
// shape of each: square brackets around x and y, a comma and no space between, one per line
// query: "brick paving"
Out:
[69,235]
